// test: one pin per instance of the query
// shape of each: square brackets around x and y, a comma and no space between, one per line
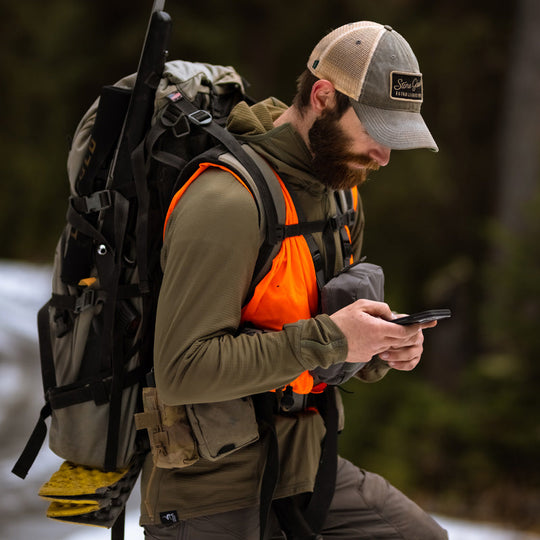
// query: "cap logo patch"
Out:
[406,86]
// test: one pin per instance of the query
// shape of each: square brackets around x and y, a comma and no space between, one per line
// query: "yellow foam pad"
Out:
[73,480]
[62,509]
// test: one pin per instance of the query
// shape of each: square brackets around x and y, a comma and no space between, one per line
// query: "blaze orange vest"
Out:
[288,292]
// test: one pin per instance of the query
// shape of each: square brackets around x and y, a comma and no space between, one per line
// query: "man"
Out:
[359,98]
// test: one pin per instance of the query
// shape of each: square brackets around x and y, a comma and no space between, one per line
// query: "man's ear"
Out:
[323,96]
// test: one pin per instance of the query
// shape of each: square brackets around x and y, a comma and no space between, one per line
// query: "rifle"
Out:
[126,169]
[116,220]
[141,105]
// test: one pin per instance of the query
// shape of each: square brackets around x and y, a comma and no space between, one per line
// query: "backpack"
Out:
[96,331]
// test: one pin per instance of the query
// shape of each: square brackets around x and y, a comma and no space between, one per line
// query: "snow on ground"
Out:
[457,530]
[24,288]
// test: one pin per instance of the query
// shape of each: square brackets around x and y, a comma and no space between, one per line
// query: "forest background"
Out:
[456,229]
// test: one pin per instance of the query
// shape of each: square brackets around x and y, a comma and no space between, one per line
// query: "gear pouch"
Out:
[224,427]
[360,280]
[171,438]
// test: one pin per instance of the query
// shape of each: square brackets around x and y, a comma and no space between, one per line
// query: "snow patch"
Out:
[24,288]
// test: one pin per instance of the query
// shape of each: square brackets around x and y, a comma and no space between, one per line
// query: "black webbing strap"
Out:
[330,245]
[203,119]
[302,517]
[344,201]
[325,482]
[170,120]
[48,372]
[117,530]
[301,522]
[90,297]
[303,227]
[143,211]
[317,261]
[75,219]
[97,390]
[307,228]
[264,407]
[37,437]
[109,268]
[34,444]
[292,521]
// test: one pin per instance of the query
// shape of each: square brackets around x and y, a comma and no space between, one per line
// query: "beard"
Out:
[333,164]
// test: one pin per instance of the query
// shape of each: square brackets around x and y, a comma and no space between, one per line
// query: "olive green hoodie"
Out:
[210,249]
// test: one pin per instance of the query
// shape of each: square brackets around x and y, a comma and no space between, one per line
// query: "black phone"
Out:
[424,316]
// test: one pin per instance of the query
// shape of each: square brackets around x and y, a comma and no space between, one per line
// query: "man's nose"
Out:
[380,154]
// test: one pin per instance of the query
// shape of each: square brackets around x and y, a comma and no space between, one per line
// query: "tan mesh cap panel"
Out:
[344,55]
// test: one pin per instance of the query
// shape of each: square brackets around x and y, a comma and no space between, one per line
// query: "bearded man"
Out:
[358,99]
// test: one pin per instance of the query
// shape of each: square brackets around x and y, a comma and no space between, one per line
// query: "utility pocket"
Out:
[170,434]
[224,427]
[360,280]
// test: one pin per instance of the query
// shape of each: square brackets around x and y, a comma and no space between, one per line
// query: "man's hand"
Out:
[366,326]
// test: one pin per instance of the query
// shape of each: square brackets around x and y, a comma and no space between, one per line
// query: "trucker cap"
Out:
[376,68]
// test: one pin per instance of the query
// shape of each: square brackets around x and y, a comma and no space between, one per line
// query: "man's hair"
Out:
[304,84]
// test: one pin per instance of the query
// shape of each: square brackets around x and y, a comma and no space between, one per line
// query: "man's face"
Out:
[343,152]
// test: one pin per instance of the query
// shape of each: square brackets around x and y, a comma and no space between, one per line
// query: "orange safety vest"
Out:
[288,292]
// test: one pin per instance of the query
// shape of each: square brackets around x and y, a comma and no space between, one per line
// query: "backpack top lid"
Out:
[190,78]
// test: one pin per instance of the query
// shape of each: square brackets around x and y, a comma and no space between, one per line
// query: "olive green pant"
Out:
[364,506]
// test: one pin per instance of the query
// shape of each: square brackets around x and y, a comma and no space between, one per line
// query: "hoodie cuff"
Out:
[317,342]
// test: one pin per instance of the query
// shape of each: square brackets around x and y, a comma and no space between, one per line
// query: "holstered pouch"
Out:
[224,427]
[171,438]
[360,280]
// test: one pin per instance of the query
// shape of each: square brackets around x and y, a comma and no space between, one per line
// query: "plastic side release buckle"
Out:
[98,201]
[85,300]
[336,222]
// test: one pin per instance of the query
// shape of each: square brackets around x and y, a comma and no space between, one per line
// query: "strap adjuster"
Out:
[200,117]
[280,233]
[85,300]
[174,119]
[336,222]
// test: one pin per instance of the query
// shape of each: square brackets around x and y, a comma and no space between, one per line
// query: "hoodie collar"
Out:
[282,146]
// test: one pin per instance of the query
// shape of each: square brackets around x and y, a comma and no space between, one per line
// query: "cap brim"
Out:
[398,130]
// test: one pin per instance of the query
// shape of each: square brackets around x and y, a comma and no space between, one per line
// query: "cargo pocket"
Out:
[224,427]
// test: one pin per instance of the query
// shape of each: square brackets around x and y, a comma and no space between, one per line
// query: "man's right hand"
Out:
[366,326]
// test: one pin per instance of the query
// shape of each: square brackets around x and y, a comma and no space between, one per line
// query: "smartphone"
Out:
[424,316]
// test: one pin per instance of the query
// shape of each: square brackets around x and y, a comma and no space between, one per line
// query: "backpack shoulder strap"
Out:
[270,203]
[203,119]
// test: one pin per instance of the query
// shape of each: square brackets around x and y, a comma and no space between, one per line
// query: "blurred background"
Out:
[457,229]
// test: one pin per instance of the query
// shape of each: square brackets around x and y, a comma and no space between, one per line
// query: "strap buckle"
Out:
[200,117]
[85,300]
[174,119]
[336,222]
[98,201]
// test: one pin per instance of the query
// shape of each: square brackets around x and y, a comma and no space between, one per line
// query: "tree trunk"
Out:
[518,156]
